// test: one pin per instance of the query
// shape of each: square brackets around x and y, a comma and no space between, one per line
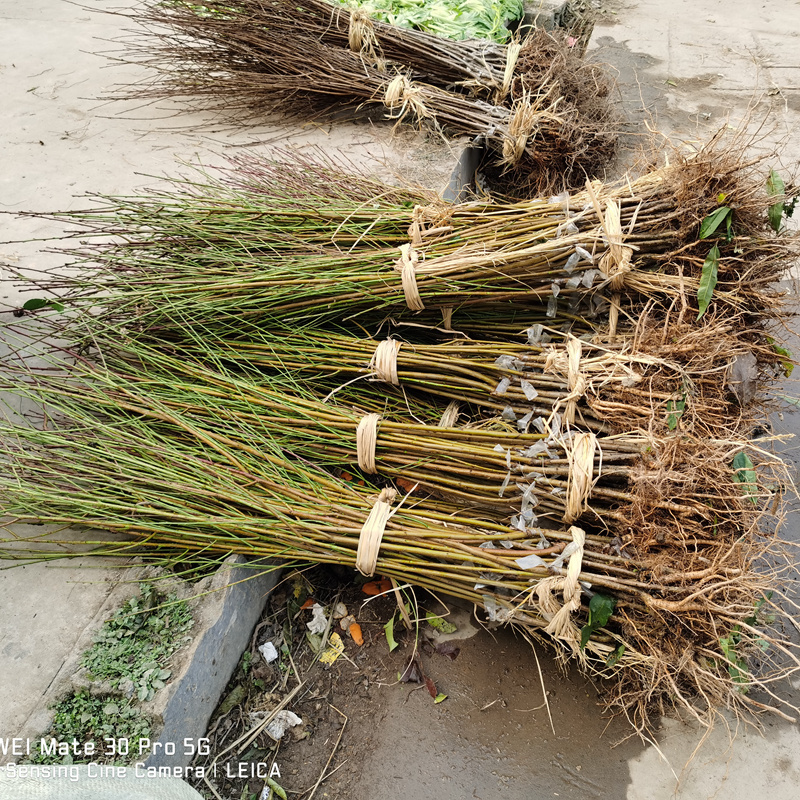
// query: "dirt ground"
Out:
[374,728]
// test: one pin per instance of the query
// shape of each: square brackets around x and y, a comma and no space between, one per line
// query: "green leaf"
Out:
[757,617]
[601,608]
[439,697]
[441,625]
[276,788]
[737,668]
[675,409]
[713,221]
[40,302]
[786,362]
[389,630]
[776,187]
[745,473]
[708,280]
[615,656]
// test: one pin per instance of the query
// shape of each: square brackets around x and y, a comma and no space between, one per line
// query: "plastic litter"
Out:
[319,622]
[283,721]
[268,651]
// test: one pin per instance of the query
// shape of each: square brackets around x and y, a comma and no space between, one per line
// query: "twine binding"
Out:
[559,615]
[580,455]
[362,39]
[512,55]
[371,536]
[407,265]
[366,441]
[616,262]
[523,124]
[384,361]
[569,366]
[400,93]
[450,415]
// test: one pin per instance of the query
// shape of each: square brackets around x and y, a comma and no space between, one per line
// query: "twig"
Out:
[322,775]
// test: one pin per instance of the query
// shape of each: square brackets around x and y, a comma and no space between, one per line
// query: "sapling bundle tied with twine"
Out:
[652,378]
[543,112]
[636,548]
[303,244]
[182,458]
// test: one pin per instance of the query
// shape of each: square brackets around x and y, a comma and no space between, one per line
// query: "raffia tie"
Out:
[616,263]
[450,415]
[401,94]
[422,216]
[407,266]
[384,361]
[523,124]
[570,367]
[366,441]
[447,317]
[580,456]
[512,56]
[362,39]
[371,536]
[559,614]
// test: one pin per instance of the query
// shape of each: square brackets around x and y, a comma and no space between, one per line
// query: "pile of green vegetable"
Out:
[453,19]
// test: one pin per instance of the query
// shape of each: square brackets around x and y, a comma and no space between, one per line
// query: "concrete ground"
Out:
[685,68]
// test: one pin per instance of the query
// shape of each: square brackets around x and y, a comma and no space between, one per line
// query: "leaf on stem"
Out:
[601,608]
[711,222]
[708,280]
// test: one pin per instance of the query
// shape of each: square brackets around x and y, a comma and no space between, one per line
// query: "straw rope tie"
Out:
[580,455]
[576,381]
[523,124]
[402,94]
[366,441]
[447,317]
[450,415]
[512,55]
[384,361]
[362,39]
[371,536]
[568,365]
[430,214]
[616,263]
[560,623]
[407,265]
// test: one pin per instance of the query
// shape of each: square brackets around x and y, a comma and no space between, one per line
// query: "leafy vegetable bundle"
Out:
[453,19]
